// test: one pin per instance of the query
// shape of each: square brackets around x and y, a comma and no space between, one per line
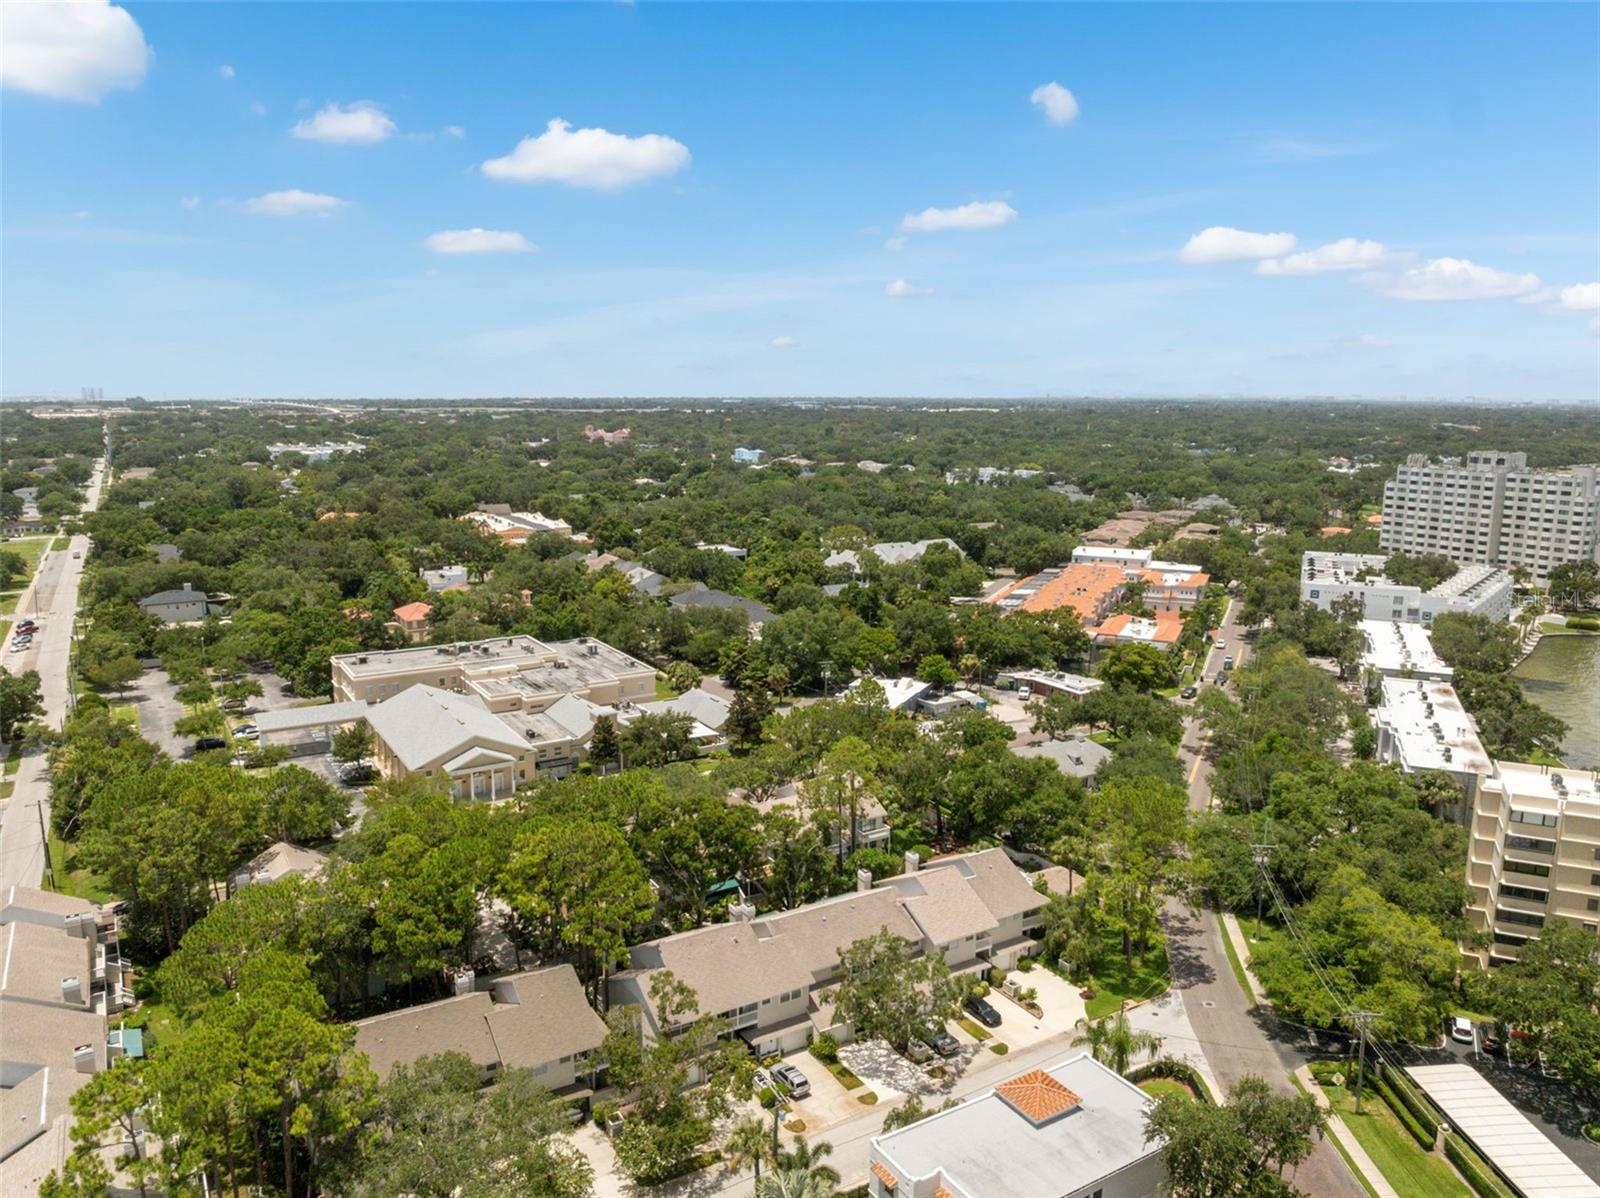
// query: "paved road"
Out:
[52,599]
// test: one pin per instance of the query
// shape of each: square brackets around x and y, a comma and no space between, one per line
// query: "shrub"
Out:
[999,1049]
[997,977]
[1329,1073]
[868,1099]
[1182,1071]
[825,1048]
[766,1097]
[1470,1165]
[980,989]
[1025,964]
[1418,1133]
[1415,1103]
[771,1059]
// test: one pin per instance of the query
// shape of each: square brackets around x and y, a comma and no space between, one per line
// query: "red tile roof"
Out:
[889,1180]
[1037,1096]
[413,611]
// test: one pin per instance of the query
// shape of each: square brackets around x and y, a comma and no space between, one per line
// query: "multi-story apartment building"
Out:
[1534,855]
[1326,578]
[770,975]
[504,671]
[1494,509]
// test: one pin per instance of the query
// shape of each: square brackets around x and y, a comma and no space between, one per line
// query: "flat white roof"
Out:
[1554,784]
[1504,1134]
[1394,647]
[1431,727]
[321,715]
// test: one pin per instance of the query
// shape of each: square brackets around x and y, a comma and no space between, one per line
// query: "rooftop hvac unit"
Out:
[71,990]
[461,983]
[83,1059]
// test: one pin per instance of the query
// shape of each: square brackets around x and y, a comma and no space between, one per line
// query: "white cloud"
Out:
[980,214]
[1369,341]
[478,241]
[1060,106]
[895,243]
[294,202]
[454,131]
[783,341]
[900,289]
[225,71]
[1222,244]
[78,51]
[189,202]
[1344,254]
[1440,279]
[360,124]
[1581,297]
[595,158]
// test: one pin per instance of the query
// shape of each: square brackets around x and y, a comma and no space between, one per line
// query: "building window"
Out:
[1528,845]
[1592,904]
[1524,892]
[1523,917]
[1538,871]
[1538,819]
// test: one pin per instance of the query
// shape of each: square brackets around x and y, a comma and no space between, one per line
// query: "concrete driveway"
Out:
[1058,999]
[829,1103]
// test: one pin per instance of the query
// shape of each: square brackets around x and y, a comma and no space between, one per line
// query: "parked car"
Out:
[207,743]
[356,773]
[1227,663]
[1491,1038]
[1188,692]
[941,1041]
[27,625]
[983,1011]
[248,731]
[1460,1029]
[792,1080]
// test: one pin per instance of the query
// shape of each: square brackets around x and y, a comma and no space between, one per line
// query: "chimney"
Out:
[863,880]
[72,991]
[741,912]
[82,925]
[83,1059]
[913,861]
[188,586]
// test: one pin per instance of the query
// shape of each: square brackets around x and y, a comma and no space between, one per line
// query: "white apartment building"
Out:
[503,671]
[1423,728]
[770,975]
[1395,649]
[1073,1129]
[1326,578]
[1494,509]
[1534,855]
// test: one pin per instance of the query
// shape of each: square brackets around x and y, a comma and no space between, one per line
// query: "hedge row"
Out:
[1418,1133]
[1473,1167]
[1177,1070]
[1415,1103]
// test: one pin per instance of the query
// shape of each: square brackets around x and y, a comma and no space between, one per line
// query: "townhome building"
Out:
[771,975]
[539,1020]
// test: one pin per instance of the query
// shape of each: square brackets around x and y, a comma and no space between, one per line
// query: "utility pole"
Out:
[1260,854]
[1363,1021]
[827,669]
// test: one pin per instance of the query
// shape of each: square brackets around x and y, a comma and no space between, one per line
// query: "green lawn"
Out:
[8,603]
[79,882]
[1163,1087]
[974,1029]
[663,691]
[1116,981]
[1412,1172]
[126,712]
[30,549]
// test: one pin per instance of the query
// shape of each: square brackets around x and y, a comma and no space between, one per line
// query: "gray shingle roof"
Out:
[701,595]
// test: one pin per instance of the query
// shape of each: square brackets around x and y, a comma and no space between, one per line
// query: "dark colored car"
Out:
[941,1041]
[1491,1038]
[983,1011]
[27,626]
[355,775]
[1188,692]
[207,743]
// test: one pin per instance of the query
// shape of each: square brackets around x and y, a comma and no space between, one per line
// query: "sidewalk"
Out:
[1362,1163]
[1241,945]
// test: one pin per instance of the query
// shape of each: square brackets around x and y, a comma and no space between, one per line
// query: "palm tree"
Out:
[1113,1042]
[749,1143]
[799,1173]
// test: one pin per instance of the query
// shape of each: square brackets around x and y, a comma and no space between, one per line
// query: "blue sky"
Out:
[739,228]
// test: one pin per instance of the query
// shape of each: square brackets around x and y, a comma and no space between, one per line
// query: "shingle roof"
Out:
[525,1020]
[944,904]
[698,704]
[281,859]
[1003,887]
[701,595]
[176,595]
